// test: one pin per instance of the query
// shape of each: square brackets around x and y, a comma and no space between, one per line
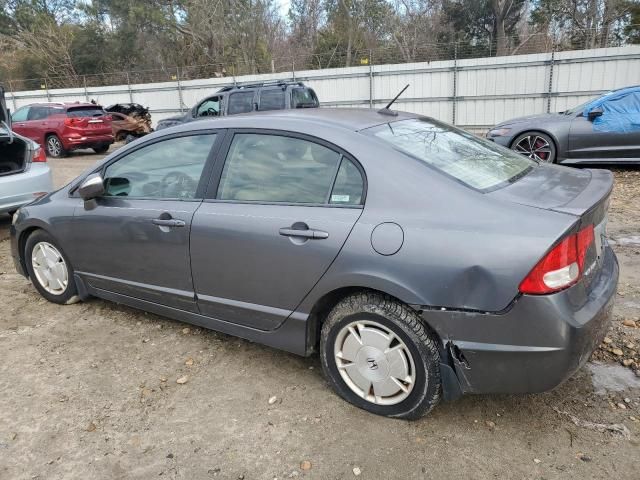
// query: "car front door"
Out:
[19,121]
[590,139]
[134,240]
[278,212]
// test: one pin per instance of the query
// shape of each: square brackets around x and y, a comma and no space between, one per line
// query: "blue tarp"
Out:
[621,111]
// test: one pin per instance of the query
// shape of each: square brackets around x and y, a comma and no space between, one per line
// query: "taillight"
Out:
[107,118]
[561,267]
[39,156]
[71,121]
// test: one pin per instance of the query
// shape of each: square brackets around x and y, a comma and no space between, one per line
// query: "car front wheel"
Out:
[49,269]
[378,355]
[536,146]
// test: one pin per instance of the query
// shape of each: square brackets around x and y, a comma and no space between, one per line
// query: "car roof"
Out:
[353,119]
[65,104]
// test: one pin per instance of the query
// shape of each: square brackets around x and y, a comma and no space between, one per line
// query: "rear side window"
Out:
[274,168]
[304,98]
[79,112]
[475,162]
[240,102]
[348,188]
[272,99]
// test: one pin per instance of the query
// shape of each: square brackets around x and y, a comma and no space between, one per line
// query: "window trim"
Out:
[212,190]
[205,176]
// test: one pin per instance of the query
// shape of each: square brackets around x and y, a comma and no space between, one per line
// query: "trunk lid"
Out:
[90,120]
[561,189]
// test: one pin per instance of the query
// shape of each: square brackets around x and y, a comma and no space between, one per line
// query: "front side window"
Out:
[274,168]
[475,162]
[20,115]
[271,99]
[240,102]
[168,169]
[38,113]
[209,108]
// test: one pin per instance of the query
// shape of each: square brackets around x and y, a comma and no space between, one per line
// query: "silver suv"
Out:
[257,97]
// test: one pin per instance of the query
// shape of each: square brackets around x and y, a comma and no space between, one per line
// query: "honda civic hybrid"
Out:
[420,262]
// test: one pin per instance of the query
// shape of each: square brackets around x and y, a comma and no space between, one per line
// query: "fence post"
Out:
[129,88]
[370,79]
[293,69]
[86,93]
[46,87]
[455,82]
[550,86]
[179,89]
[13,96]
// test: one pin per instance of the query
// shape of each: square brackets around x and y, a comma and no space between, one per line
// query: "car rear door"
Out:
[134,240]
[277,213]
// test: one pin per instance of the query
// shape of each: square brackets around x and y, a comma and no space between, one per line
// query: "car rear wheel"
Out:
[55,148]
[378,355]
[49,269]
[536,146]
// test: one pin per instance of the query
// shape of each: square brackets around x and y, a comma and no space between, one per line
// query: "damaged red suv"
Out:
[63,127]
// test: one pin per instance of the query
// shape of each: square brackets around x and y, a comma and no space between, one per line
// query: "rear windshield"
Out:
[76,112]
[475,162]
[304,98]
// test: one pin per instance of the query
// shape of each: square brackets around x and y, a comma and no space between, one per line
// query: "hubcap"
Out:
[374,362]
[54,147]
[50,268]
[534,147]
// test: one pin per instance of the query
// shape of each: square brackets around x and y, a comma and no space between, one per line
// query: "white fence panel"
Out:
[473,93]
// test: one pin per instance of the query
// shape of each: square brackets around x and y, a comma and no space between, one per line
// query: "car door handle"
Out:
[308,233]
[168,222]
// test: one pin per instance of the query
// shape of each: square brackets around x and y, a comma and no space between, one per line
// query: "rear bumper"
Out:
[74,142]
[534,346]
[22,188]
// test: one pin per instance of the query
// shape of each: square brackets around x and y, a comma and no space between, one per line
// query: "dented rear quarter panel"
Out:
[462,249]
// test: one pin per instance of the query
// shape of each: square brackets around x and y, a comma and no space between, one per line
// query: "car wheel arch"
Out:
[22,242]
[329,300]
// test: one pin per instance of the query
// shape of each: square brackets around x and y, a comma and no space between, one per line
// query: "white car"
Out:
[24,173]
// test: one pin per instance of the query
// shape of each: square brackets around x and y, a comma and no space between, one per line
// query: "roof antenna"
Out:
[386,111]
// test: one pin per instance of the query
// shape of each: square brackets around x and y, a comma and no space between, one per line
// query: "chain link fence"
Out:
[290,63]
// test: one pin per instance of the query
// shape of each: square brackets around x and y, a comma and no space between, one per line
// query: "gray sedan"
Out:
[603,130]
[420,261]
[24,173]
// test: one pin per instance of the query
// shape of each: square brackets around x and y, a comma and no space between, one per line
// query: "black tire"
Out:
[54,147]
[70,294]
[405,324]
[526,143]
[101,149]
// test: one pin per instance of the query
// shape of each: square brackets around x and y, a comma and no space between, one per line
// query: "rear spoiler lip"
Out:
[600,187]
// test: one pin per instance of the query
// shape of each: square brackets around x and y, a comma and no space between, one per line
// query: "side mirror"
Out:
[595,113]
[91,187]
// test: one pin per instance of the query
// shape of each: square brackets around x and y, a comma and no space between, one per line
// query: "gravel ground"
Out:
[89,391]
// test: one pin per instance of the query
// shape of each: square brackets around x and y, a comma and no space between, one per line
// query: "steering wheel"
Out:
[177,185]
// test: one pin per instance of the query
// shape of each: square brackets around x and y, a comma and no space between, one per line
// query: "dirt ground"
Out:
[89,391]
